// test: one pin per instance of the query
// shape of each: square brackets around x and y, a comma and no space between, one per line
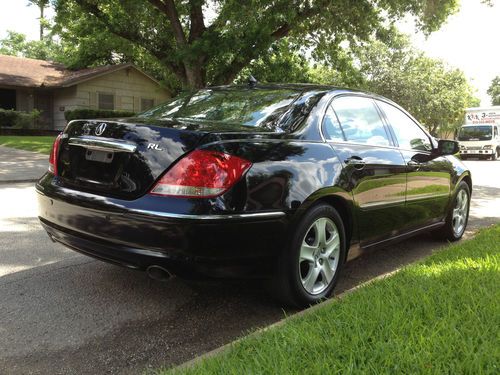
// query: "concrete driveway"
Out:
[20,165]
[64,313]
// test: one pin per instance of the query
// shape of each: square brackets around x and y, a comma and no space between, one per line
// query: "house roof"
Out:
[23,72]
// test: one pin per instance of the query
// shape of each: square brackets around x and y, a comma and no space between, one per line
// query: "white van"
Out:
[479,141]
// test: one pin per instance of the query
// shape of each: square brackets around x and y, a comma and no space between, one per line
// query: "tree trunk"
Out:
[42,6]
[195,78]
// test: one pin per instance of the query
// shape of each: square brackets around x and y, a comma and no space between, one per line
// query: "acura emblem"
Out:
[100,128]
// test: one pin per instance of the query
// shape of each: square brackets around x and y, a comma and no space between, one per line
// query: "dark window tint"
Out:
[331,126]
[408,133]
[360,120]
[106,101]
[147,104]
[475,133]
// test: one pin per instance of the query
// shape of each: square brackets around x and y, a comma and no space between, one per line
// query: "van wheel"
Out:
[309,267]
[458,215]
[495,155]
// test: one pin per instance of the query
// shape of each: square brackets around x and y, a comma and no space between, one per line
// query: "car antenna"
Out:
[252,81]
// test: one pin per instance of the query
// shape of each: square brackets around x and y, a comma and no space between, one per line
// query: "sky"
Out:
[468,40]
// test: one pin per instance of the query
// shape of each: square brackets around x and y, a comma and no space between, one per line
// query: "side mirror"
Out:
[447,147]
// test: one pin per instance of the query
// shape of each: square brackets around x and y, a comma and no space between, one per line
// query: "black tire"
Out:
[288,281]
[448,231]
[494,156]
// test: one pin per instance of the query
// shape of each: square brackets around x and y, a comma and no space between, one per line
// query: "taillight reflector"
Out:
[202,173]
[54,153]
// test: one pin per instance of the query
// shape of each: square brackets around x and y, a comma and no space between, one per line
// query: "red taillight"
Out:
[202,174]
[54,152]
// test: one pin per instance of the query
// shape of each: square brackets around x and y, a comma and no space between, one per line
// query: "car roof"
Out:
[300,87]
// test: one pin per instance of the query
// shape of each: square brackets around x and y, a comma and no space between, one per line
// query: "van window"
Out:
[476,133]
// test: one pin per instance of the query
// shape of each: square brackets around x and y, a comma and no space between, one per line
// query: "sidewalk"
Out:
[19,165]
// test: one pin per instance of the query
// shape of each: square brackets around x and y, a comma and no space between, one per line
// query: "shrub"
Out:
[17,119]
[81,114]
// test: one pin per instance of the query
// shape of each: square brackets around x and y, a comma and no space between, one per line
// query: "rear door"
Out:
[374,170]
[428,176]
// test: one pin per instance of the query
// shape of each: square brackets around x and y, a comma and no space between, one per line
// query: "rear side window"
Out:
[331,126]
[360,120]
[408,133]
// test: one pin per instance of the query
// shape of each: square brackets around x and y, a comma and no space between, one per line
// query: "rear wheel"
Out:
[309,267]
[458,215]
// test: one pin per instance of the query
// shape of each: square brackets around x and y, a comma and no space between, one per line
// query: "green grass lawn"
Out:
[438,316]
[41,144]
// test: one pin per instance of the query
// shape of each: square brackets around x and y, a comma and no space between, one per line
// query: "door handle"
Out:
[415,165]
[356,162]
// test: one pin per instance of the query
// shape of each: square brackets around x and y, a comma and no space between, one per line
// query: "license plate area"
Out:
[99,156]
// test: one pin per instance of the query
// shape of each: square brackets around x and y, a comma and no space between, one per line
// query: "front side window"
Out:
[408,133]
[106,101]
[360,120]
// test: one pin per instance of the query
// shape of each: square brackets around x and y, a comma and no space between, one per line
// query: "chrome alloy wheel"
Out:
[459,217]
[319,255]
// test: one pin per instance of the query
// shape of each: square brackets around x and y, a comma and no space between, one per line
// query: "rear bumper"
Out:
[223,245]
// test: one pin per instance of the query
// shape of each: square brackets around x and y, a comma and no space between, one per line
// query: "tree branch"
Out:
[235,66]
[132,37]
[197,23]
[168,8]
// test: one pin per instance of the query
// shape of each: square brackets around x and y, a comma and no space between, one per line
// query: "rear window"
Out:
[251,107]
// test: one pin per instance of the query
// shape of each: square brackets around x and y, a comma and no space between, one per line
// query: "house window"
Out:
[147,104]
[106,101]
[7,99]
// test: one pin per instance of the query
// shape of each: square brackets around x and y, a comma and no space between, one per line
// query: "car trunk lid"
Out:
[121,158]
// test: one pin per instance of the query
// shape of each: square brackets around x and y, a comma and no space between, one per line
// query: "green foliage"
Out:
[17,119]
[16,44]
[283,63]
[204,42]
[81,114]
[494,91]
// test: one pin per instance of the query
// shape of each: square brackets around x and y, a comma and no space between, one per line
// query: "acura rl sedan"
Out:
[285,182]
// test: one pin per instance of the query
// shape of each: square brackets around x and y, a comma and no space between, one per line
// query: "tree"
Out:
[210,41]
[494,91]
[434,93]
[16,44]
[41,4]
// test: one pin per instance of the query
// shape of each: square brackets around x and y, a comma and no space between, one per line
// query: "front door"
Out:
[428,176]
[374,170]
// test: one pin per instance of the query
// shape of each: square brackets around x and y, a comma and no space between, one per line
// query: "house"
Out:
[27,84]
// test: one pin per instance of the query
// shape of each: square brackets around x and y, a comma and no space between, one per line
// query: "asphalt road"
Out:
[64,313]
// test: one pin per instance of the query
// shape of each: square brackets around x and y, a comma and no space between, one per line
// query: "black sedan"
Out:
[280,181]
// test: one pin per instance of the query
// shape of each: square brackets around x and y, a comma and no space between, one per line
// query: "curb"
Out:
[259,331]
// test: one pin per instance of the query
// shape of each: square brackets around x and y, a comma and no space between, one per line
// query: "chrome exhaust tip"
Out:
[158,273]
